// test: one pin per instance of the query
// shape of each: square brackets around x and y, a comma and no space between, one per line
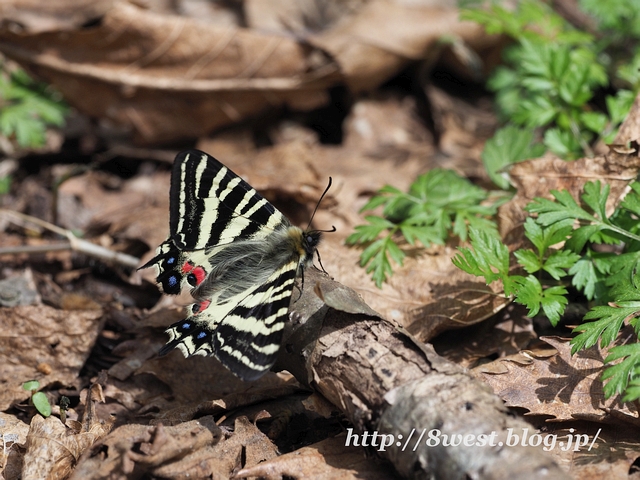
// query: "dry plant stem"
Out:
[384,382]
[75,243]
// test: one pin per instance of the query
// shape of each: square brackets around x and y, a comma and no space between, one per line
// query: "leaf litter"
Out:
[175,418]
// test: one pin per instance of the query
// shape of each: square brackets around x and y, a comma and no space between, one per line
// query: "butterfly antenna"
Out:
[318,204]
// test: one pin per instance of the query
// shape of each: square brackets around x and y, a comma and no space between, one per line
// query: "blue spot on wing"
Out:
[171,260]
[186,326]
[201,335]
[172,281]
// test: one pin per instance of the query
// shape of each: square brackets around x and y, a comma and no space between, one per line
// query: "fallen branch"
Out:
[387,384]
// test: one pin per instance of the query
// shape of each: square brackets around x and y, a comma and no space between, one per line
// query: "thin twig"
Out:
[75,243]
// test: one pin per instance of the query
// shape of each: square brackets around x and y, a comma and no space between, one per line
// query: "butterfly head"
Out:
[310,241]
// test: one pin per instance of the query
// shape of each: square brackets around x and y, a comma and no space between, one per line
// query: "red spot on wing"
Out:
[200,274]
[203,305]
[187,267]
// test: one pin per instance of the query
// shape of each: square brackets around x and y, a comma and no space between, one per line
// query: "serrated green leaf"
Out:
[559,142]
[631,201]
[374,202]
[558,262]
[581,236]
[395,253]
[620,374]
[529,294]
[529,260]
[508,145]
[594,121]
[371,251]
[553,302]
[606,328]
[584,277]
[595,197]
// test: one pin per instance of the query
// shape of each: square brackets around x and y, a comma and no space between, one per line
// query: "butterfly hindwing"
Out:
[246,340]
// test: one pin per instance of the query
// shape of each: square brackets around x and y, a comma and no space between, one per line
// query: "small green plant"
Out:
[27,108]
[39,399]
[552,73]
[437,204]
[563,235]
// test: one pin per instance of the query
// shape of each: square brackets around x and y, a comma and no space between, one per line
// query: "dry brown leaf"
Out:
[145,448]
[610,451]
[52,450]
[40,334]
[247,446]
[35,16]
[536,178]
[378,40]
[167,77]
[562,386]
[506,334]
[323,460]
[13,435]
[297,16]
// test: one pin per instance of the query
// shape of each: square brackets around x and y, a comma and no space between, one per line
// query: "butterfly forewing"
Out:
[239,255]
[211,205]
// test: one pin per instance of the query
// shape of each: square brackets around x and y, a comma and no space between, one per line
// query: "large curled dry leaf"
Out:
[164,76]
[383,36]
[167,77]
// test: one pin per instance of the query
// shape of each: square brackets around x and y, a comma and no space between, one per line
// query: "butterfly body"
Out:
[239,256]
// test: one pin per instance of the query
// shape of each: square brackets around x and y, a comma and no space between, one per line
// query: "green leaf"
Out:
[508,145]
[488,255]
[554,302]
[581,236]
[594,121]
[606,328]
[584,277]
[31,385]
[529,294]
[619,375]
[529,260]
[631,201]
[376,258]
[596,198]
[41,402]
[559,261]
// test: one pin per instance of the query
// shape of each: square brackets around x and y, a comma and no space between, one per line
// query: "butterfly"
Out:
[240,257]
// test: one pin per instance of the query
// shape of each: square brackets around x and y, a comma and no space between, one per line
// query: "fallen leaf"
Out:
[145,448]
[52,450]
[13,433]
[329,458]
[167,77]
[536,178]
[561,386]
[37,334]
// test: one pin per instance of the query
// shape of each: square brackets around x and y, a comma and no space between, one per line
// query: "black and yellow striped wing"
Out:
[239,255]
[246,338]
